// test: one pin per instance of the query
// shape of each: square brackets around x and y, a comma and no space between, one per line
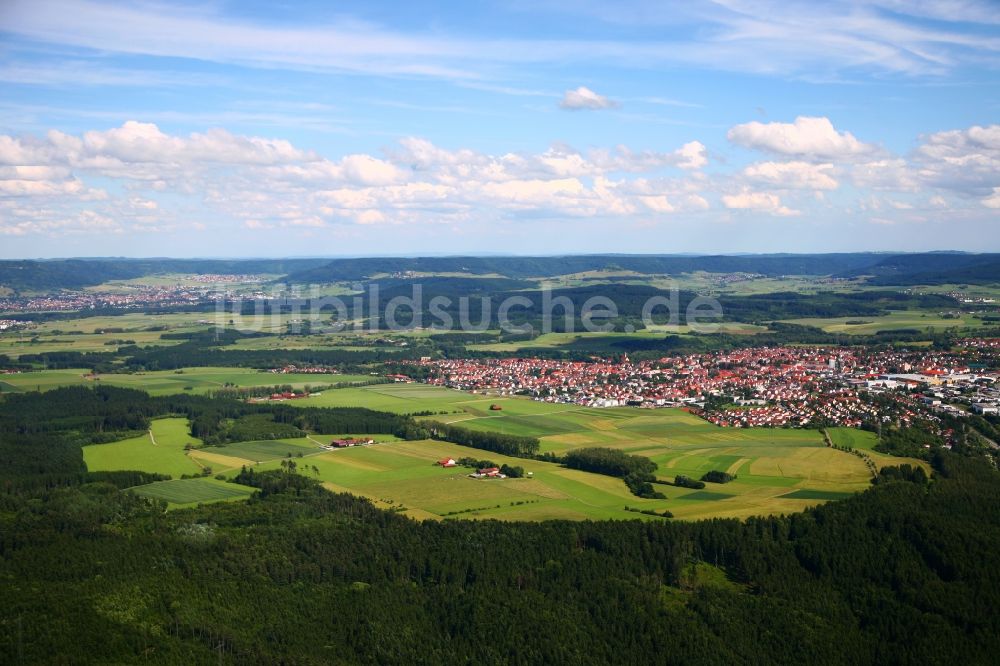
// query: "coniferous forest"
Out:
[906,572]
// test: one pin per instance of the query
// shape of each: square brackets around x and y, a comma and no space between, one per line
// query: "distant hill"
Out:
[932,268]
[44,275]
[883,269]
[527,267]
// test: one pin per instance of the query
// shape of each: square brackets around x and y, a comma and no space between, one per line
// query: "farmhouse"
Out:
[447,462]
[350,441]
[488,473]
[288,395]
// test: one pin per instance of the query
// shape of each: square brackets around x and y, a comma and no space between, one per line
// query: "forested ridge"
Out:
[526,267]
[906,572]
[919,268]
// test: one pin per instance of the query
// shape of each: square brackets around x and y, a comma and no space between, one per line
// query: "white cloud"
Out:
[533,192]
[691,155]
[658,204]
[584,98]
[368,170]
[144,142]
[993,201]
[792,175]
[806,137]
[154,180]
[966,161]
[764,202]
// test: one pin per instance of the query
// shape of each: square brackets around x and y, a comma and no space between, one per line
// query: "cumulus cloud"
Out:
[691,155]
[807,137]
[792,175]
[584,98]
[764,202]
[964,160]
[154,180]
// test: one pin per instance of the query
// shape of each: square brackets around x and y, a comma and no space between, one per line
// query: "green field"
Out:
[865,441]
[772,465]
[396,398]
[161,451]
[777,470]
[165,382]
[892,321]
[179,493]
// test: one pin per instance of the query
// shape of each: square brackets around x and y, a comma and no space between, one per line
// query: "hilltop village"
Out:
[785,386]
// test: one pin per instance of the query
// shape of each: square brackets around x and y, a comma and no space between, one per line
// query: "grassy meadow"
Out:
[164,382]
[181,493]
[893,321]
[161,450]
[778,470]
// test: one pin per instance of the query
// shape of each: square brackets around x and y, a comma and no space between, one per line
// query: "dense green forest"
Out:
[77,273]
[906,572]
[933,268]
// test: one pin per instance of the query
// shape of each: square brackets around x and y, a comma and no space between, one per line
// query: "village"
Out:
[134,299]
[189,290]
[754,387]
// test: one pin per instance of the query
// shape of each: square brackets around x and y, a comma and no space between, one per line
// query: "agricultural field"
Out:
[129,322]
[164,382]
[161,450]
[100,334]
[777,470]
[894,321]
[181,493]
[396,398]
[606,341]
[31,342]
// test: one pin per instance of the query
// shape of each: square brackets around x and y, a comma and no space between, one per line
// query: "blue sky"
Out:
[314,128]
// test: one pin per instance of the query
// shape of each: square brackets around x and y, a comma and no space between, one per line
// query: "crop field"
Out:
[165,382]
[396,398]
[772,465]
[179,493]
[597,341]
[777,470]
[894,321]
[15,345]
